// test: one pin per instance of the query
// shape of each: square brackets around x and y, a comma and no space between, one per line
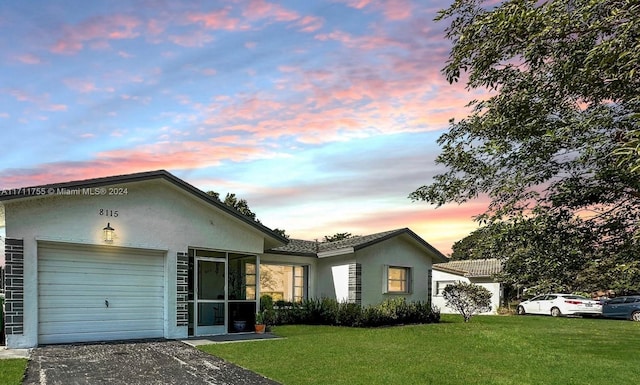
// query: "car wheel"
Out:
[520,310]
[555,312]
[635,316]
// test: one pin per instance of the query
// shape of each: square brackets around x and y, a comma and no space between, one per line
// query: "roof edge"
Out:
[413,235]
[47,189]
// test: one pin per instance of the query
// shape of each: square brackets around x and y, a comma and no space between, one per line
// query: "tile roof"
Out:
[472,267]
[358,241]
[297,247]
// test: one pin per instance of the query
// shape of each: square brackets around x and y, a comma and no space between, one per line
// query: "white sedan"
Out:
[560,304]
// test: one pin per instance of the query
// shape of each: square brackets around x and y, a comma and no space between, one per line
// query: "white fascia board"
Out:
[333,253]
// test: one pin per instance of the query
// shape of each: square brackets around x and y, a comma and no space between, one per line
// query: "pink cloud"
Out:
[79,85]
[194,39]
[391,9]
[218,20]
[209,71]
[154,27]
[29,58]
[165,155]
[55,107]
[261,9]
[366,42]
[397,9]
[42,101]
[97,30]
[246,109]
[358,4]
[310,24]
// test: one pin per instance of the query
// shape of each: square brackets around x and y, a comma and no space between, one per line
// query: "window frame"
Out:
[445,283]
[408,279]
[301,267]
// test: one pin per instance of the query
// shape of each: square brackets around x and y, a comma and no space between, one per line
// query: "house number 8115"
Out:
[108,213]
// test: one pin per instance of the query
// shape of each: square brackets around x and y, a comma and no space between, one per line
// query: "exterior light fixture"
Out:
[108,233]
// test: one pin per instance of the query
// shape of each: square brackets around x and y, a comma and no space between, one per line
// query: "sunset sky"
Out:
[324,115]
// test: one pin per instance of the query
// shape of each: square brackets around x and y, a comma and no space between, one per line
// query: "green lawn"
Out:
[12,371]
[488,350]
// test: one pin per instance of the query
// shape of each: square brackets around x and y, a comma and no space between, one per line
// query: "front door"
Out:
[210,295]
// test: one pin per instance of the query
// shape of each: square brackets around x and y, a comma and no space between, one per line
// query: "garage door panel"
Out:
[104,278]
[108,326]
[115,304]
[83,264]
[99,291]
[96,336]
[96,314]
[74,283]
[133,262]
[101,269]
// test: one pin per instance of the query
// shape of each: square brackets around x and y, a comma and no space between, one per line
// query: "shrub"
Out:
[266,309]
[349,314]
[468,299]
[327,311]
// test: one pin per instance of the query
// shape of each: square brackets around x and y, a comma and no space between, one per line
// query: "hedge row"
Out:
[327,311]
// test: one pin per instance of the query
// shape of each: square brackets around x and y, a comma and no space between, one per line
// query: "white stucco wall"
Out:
[441,276]
[327,287]
[153,214]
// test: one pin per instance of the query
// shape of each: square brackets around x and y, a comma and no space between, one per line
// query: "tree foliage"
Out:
[467,299]
[480,244]
[554,251]
[337,237]
[554,138]
[282,232]
[242,206]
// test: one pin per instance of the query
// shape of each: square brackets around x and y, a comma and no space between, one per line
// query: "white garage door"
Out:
[97,294]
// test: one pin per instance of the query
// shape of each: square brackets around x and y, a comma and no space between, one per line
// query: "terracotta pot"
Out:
[260,328]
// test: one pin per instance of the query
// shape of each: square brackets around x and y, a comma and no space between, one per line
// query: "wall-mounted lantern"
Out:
[108,233]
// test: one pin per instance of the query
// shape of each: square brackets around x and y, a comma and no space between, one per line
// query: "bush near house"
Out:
[467,299]
[325,311]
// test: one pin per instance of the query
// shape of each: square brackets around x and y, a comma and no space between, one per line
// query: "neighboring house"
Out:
[478,271]
[148,255]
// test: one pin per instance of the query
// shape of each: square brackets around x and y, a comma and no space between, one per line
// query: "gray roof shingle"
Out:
[472,267]
[312,248]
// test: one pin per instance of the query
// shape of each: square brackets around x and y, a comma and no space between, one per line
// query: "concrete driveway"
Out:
[131,363]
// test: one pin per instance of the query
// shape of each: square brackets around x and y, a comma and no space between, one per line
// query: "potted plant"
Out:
[260,325]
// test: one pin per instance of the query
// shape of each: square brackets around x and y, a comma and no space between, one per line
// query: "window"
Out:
[398,279]
[283,282]
[242,277]
[440,285]
[298,283]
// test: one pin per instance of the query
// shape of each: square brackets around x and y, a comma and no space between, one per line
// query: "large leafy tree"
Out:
[556,132]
